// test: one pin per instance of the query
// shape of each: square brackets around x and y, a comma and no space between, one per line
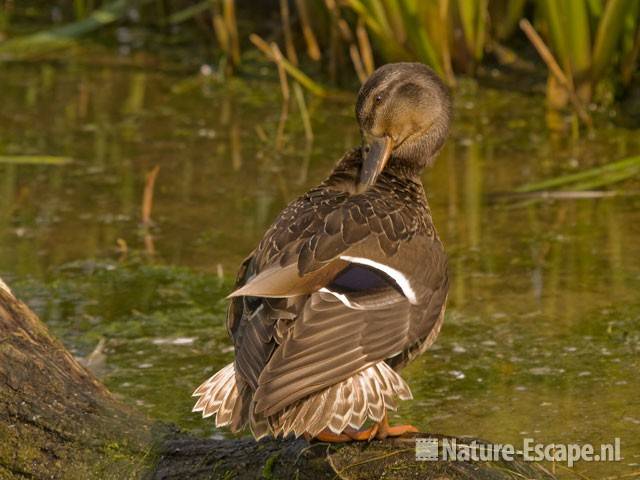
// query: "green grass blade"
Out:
[391,48]
[189,12]
[417,34]
[473,17]
[631,23]
[481,26]
[395,19]
[579,36]
[553,14]
[467,10]
[595,7]
[362,10]
[377,9]
[608,179]
[34,160]
[508,23]
[610,28]
[630,44]
[588,177]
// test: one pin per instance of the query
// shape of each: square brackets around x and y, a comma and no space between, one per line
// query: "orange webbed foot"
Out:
[379,431]
[385,430]
[329,437]
[362,435]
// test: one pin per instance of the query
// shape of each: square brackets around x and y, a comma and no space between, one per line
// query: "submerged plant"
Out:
[597,177]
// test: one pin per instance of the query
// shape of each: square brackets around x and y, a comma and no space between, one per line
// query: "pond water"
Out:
[542,334]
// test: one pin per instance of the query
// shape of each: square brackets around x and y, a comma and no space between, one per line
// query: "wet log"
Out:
[57,421]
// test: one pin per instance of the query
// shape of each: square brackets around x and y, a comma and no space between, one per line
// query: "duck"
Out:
[347,286]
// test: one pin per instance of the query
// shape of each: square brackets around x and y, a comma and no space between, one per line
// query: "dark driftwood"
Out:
[58,421]
[392,459]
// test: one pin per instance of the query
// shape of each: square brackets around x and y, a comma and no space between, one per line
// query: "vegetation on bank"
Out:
[590,47]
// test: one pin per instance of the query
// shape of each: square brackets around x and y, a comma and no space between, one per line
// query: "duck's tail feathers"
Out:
[218,396]
[366,395]
[3,286]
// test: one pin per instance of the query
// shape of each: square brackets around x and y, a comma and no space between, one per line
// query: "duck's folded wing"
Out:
[335,336]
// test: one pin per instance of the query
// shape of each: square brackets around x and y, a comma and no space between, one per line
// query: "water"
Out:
[542,335]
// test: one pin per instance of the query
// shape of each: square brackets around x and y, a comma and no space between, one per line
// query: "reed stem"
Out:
[555,69]
[288,35]
[312,43]
[295,72]
[147,197]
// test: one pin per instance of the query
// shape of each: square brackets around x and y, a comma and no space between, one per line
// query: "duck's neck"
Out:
[346,173]
[402,168]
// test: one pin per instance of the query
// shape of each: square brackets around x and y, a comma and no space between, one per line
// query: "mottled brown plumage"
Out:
[348,284]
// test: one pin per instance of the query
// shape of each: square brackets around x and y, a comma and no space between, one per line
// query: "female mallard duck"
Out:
[349,283]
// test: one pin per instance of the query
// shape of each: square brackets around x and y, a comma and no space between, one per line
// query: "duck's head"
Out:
[404,111]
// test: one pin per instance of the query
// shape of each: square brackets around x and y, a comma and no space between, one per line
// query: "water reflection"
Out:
[543,334]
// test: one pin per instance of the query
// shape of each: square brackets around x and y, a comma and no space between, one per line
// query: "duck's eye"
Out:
[378,98]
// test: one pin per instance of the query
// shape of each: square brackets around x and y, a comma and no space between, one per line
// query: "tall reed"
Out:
[588,44]
[590,39]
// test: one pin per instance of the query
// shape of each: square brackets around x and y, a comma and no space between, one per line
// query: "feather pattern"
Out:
[365,395]
[218,396]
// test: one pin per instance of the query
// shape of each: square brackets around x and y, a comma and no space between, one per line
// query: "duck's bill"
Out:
[376,154]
